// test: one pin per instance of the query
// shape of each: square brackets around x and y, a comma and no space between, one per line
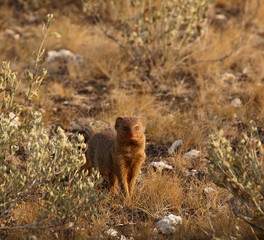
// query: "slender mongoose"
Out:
[118,154]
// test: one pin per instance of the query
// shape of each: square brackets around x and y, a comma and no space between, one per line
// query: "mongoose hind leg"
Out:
[112,181]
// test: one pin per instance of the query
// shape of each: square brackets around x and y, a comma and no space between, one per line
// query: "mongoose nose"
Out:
[131,134]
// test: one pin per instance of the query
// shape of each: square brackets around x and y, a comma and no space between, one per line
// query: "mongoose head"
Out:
[130,129]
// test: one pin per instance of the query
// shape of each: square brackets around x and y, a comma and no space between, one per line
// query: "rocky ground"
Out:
[216,83]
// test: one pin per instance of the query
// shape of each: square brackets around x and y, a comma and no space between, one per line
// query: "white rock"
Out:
[70,224]
[126,238]
[155,231]
[175,145]
[246,71]
[9,31]
[221,17]
[112,232]
[64,54]
[193,172]
[192,154]
[168,224]
[32,237]
[236,102]
[161,165]
[228,77]
[12,33]
[209,190]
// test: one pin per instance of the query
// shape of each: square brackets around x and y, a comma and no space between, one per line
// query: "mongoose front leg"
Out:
[122,177]
[132,179]
[124,185]
[131,185]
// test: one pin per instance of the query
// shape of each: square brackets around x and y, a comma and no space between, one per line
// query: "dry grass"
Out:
[189,98]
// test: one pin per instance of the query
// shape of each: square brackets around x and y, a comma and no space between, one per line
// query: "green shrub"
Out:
[151,29]
[240,171]
[35,167]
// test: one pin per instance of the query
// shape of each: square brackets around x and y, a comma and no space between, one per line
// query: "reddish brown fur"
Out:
[119,155]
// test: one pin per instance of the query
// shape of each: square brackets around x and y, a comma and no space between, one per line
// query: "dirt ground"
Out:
[216,82]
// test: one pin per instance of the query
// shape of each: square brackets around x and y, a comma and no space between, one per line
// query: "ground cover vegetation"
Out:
[192,69]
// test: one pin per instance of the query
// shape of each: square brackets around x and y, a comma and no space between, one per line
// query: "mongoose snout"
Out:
[119,154]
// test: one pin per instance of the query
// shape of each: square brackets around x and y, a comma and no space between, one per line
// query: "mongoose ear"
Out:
[142,120]
[118,121]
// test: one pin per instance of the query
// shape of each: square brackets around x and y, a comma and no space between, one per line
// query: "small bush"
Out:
[240,171]
[150,29]
[35,167]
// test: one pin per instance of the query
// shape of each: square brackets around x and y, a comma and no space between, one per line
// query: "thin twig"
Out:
[238,213]
[113,38]
[217,59]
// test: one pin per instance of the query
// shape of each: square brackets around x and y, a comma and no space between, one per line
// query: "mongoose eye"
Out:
[125,128]
[136,128]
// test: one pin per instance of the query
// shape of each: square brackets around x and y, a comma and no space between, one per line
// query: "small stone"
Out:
[168,224]
[66,103]
[10,32]
[70,224]
[112,232]
[228,77]
[32,237]
[192,154]
[16,36]
[64,54]
[159,166]
[42,110]
[220,17]
[90,89]
[236,103]
[209,190]
[126,238]
[176,144]
[193,172]
[246,71]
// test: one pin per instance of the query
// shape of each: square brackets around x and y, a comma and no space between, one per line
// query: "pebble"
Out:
[236,103]
[168,224]
[112,232]
[64,54]
[220,17]
[176,144]
[159,166]
[192,154]
[209,190]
